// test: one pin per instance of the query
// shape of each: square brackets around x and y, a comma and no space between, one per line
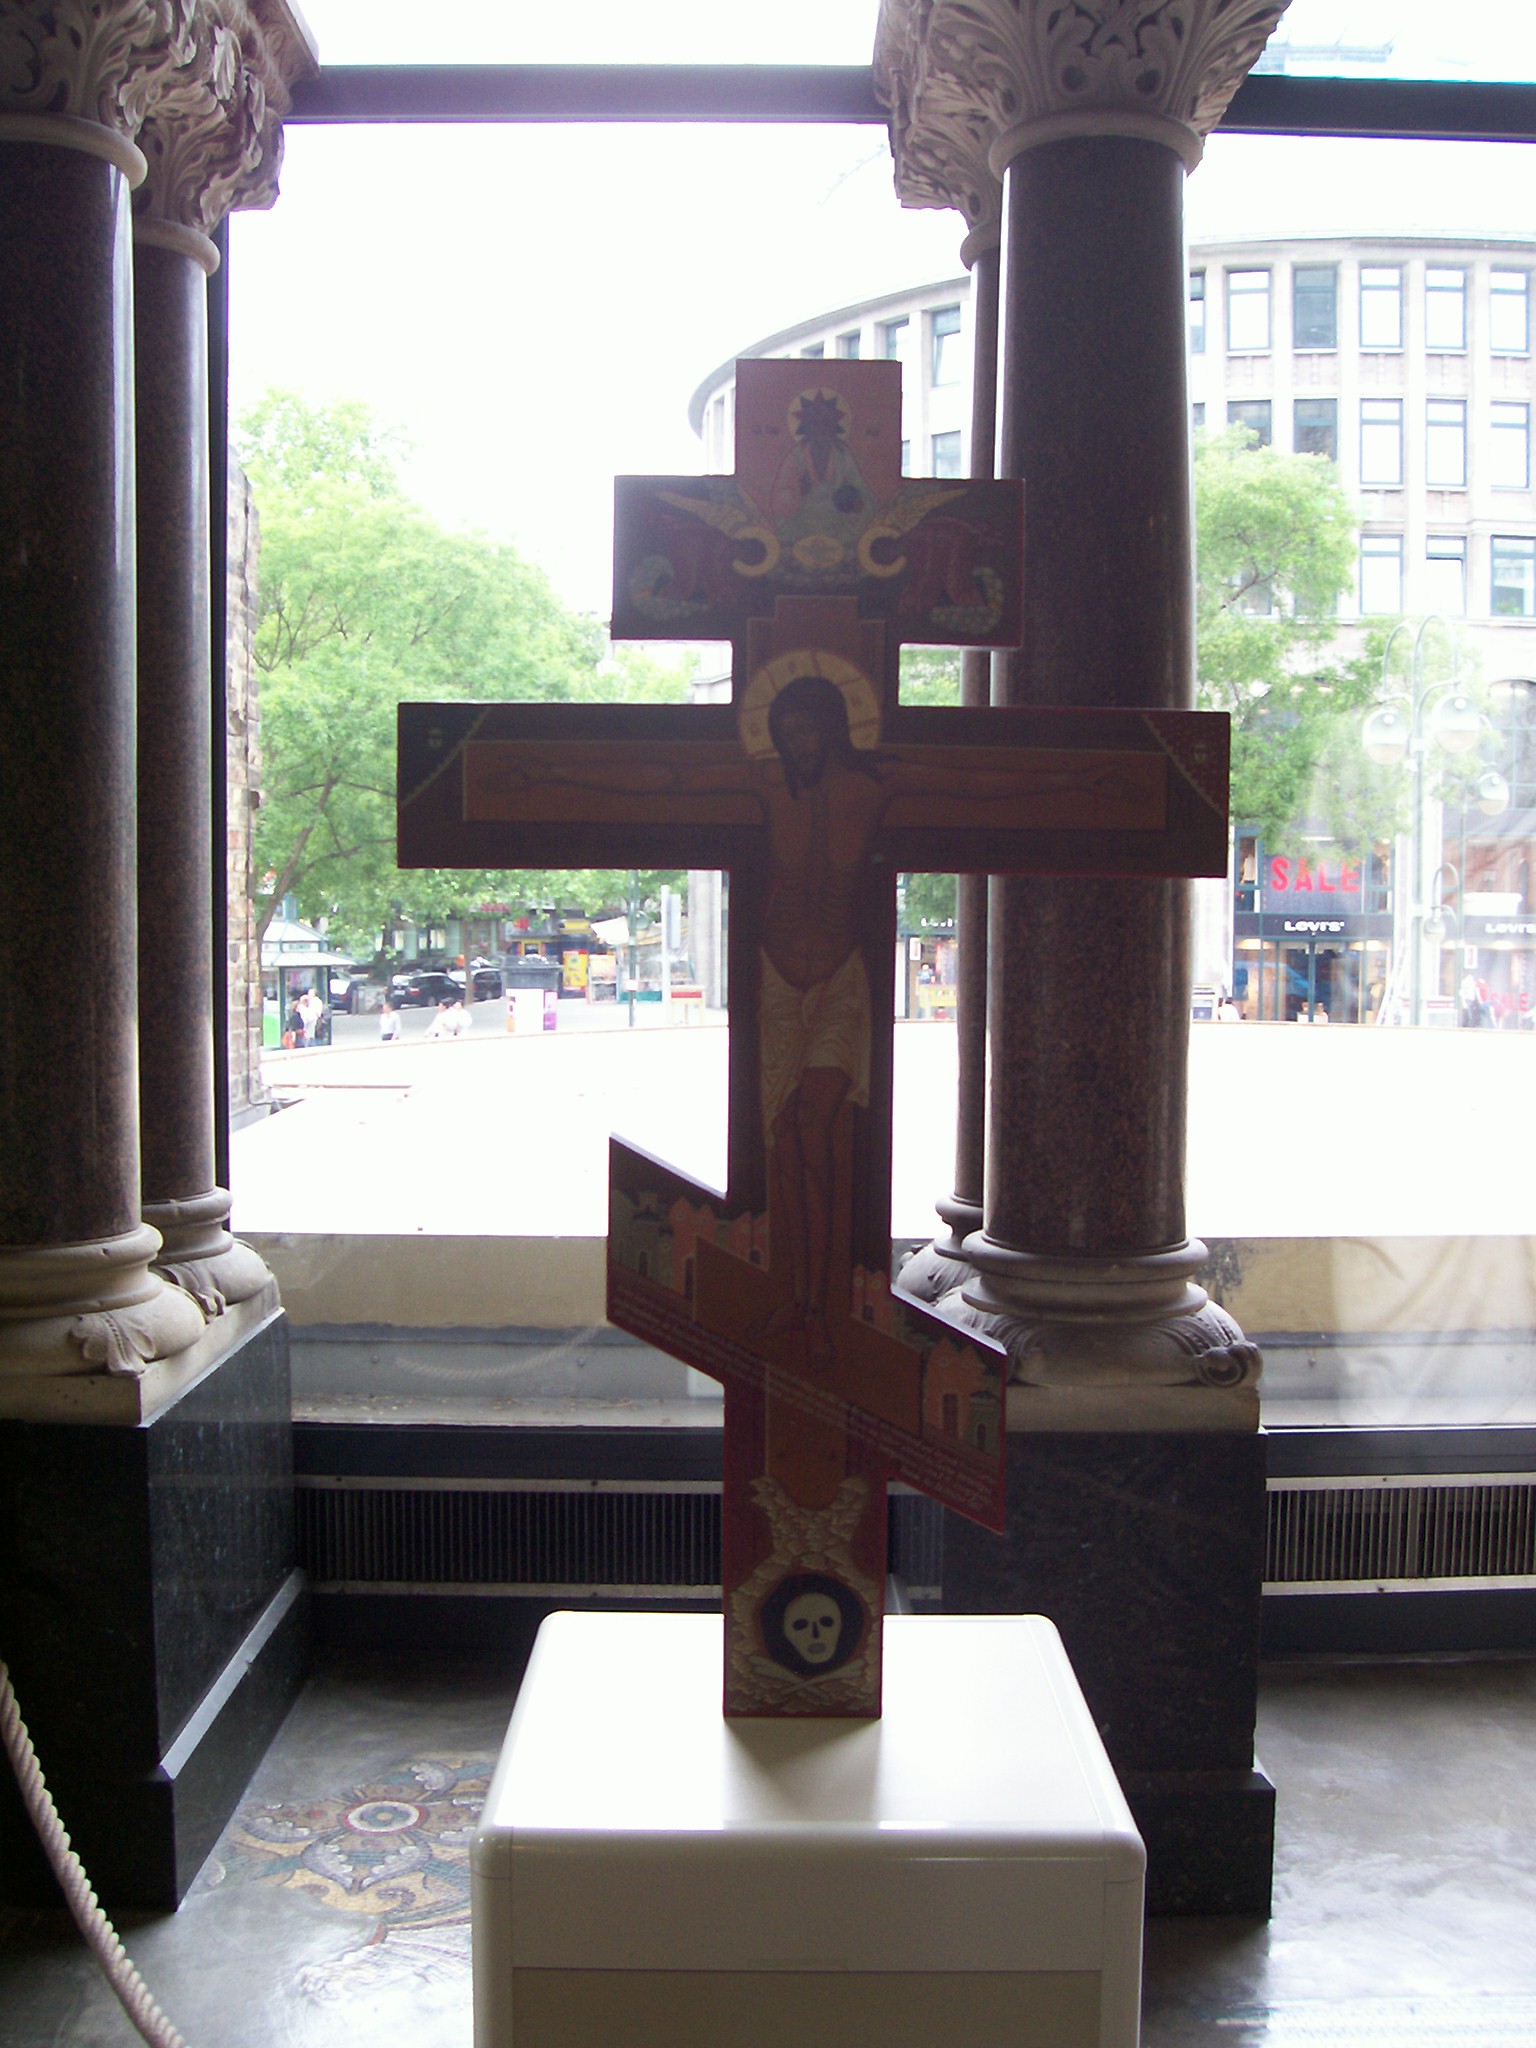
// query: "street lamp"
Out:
[1404,725]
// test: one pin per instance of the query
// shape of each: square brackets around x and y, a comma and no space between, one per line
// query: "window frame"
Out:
[847,353]
[1435,436]
[938,356]
[1195,327]
[1372,295]
[1330,271]
[1447,547]
[895,338]
[1370,431]
[1245,295]
[1433,294]
[1388,548]
[1266,431]
[949,435]
[1518,547]
[1503,435]
[1522,293]
[1330,454]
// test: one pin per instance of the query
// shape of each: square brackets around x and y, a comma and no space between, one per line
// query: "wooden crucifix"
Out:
[814,788]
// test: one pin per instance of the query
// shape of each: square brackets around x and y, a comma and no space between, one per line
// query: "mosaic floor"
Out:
[336,1907]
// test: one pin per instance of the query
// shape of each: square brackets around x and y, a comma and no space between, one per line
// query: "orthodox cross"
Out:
[814,787]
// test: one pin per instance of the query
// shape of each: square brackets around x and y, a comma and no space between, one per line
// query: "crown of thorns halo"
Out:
[850,681]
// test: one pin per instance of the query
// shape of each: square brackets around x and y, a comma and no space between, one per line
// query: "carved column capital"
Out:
[213,136]
[1033,71]
[941,137]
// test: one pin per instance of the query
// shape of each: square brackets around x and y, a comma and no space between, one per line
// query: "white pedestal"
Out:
[649,1875]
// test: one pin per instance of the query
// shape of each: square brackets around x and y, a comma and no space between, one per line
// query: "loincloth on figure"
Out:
[826,1025]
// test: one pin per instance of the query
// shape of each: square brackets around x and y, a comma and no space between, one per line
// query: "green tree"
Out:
[1275,550]
[365,600]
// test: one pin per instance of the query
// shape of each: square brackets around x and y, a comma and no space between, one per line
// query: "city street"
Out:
[1294,1131]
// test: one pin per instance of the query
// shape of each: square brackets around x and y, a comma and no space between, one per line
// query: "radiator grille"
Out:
[1401,1533]
[651,1539]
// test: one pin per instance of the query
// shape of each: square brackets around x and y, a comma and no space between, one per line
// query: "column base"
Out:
[1104,1343]
[153,1621]
[1147,1551]
[937,1269]
[198,1255]
[93,1308]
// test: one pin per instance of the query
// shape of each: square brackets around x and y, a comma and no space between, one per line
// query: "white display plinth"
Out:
[648,1874]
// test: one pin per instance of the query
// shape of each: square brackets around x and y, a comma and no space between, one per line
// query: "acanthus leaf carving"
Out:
[99,60]
[1018,63]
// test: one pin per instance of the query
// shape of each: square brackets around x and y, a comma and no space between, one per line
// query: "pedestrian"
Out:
[389,1024]
[311,1009]
[293,1026]
[440,1026]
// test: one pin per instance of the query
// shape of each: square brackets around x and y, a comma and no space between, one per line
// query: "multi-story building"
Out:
[1407,363]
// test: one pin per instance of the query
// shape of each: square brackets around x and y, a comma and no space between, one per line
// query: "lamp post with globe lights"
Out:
[1404,725]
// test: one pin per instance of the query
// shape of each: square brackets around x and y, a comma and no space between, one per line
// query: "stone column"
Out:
[1136,1478]
[211,143]
[78,1297]
[945,163]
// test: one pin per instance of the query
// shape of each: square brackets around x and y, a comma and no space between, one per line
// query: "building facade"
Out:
[1407,363]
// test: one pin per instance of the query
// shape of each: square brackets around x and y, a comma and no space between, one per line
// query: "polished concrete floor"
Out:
[335,1910]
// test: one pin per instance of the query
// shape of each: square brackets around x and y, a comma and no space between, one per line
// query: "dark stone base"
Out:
[1210,1839]
[153,1621]
[1147,1552]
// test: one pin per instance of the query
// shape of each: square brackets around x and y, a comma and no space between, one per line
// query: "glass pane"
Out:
[1509,312]
[1445,568]
[1315,305]
[1510,448]
[1381,307]
[609,31]
[1445,309]
[1381,441]
[1404,39]
[1445,464]
[1247,310]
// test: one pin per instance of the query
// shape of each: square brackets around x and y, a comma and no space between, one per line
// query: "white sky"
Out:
[534,306]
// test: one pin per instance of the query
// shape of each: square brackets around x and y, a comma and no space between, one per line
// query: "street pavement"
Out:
[1294,1130]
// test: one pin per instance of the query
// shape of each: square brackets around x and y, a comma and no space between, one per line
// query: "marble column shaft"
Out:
[69,1098]
[1089,978]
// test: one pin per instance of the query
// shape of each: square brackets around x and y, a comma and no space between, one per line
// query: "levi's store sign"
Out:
[1311,884]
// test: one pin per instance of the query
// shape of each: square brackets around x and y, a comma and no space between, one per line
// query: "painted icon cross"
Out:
[814,788]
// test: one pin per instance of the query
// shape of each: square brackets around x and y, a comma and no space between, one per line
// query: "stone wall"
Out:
[247,1093]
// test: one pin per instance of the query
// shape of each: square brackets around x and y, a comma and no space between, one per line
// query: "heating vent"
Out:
[1401,1533]
[563,1539]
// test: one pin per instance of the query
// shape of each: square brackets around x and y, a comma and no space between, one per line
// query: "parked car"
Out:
[424,989]
[345,989]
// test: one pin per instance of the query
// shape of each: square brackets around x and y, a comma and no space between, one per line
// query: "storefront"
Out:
[1312,934]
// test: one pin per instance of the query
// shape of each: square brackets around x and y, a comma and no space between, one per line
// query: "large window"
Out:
[1317,427]
[1381,573]
[1509,312]
[1315,305]
[1381,443]
[946,455]
[1381,305]
[1445,574]
[1256,414]
[947,364]
[1197,312]
[895,339]
[1247,311]
[1514,576]
[1445,444]
[1509,447]
[1445,309]
[848,346]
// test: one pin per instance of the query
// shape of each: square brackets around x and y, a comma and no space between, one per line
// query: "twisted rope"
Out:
[99,1933]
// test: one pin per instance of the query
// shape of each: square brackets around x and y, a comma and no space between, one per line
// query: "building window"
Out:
[1317,427]
[1381,443]
[1445,309]
[947,368]
[1381,305]
[1197,312]
[1381,573]
[1509,312]
[946,455]
[1509,447]
[848,346]
[1197,414]
[906,458]
[895,338]
[1315,305]
[1255,414]
[1445,574]
[1445,444]
[814,349]
[1247,311]
[1514,577]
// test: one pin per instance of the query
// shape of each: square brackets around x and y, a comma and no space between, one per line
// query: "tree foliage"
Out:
[1275,550]
[364,600]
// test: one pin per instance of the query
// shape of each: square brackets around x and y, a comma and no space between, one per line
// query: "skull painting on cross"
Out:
[812,1623]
